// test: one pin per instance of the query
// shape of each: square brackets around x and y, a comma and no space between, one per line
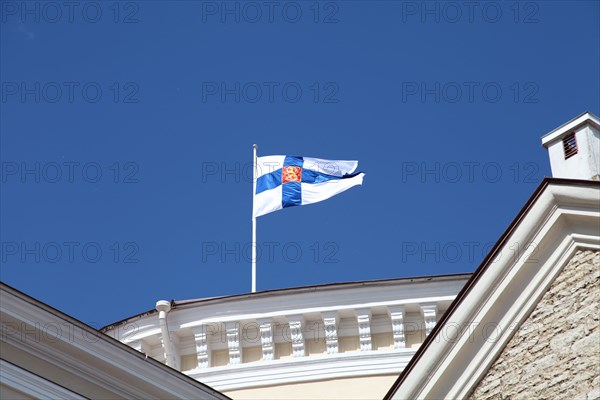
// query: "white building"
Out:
[528,327]
[346,340]
[521,326]
[46,354]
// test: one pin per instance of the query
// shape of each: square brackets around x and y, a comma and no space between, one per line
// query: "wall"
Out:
[556,352]
[8,393]
[584,164]
[351,388]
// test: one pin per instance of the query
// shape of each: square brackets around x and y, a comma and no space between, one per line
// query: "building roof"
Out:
[179,304]
[558,133]
[541,214]
[48,353]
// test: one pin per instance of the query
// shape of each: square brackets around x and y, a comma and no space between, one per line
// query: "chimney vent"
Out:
[570,145]
[574,148]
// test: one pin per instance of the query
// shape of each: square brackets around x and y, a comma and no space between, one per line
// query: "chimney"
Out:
[574,148]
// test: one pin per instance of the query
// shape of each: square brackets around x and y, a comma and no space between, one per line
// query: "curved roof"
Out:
[289,291]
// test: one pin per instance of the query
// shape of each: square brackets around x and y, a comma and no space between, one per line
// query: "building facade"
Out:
[46,354]
[347,340]
[528,327]
[524,325]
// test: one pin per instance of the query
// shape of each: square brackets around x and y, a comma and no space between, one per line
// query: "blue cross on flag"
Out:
[287,181]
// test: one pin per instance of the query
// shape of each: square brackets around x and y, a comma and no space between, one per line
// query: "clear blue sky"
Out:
[127,128]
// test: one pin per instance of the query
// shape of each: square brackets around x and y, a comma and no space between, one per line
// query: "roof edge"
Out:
[581,119]
[291,290]
[108,340]
[479,272]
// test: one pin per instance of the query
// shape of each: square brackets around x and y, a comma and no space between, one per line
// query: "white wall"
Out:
[584,164]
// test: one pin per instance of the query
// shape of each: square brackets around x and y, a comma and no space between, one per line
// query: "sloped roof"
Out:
[561,216]
[558,133]
[47,345]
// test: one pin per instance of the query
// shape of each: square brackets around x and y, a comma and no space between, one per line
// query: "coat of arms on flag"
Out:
[287,181]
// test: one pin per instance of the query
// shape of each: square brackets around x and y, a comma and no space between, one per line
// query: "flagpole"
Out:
[254,167]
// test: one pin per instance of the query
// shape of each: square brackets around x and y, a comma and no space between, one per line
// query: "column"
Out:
[330,321]
[201,340]
[296,322]
[233,342]
[429,311]
[363,317]
[266,338]
[397,317]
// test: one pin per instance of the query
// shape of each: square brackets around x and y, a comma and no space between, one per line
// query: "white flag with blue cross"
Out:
[287,181]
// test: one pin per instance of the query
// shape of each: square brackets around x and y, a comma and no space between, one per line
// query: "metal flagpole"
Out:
[254,222]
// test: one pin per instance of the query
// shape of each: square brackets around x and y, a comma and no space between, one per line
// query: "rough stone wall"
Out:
[555,354]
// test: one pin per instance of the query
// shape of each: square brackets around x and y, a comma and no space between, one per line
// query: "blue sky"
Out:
[127,132]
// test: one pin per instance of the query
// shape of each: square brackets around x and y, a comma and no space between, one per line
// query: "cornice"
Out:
[563,217]
[88,354]
[33,385]
[305,369]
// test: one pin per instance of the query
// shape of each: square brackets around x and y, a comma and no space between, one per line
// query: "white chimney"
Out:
[574,148]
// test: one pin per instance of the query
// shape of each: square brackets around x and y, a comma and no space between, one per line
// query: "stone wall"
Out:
[555,354]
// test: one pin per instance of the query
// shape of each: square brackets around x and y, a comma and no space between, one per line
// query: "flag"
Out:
[287,181]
